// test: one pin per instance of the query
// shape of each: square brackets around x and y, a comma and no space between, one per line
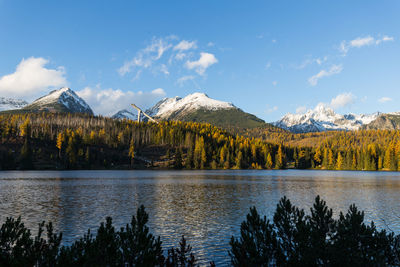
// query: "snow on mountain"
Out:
[323,118]
[124,114]
[10,103]
[65,97]
[177,105]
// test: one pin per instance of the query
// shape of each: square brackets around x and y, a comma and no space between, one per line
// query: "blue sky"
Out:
[267,57]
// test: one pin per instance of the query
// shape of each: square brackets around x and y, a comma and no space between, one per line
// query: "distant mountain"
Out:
[323,118]
[388,121]
[10,103]
[198,107]
[124,114]
[61,100]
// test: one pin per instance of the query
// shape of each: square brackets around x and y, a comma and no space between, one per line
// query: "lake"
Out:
[205,206]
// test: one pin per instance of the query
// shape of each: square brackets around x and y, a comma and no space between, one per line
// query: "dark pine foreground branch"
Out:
[292,238]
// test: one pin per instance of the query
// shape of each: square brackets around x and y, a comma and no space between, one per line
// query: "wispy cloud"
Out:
[384,99]
[185,45]
[309,61]
[345,46]
[301,110]
[167,55]
[164,69]
[335,69]
[271,109]
[31,77]
[182,80]
[205,61]
[145,57]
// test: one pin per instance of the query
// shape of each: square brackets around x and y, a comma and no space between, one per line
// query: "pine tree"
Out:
[60,140]
[132,151]
[280,159]
[339,162]
[26,155]
[239,160]
[317,156]
[331,160]
[178,159]
[269,163]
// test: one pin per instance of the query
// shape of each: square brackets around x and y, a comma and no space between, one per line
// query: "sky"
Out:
[268,58]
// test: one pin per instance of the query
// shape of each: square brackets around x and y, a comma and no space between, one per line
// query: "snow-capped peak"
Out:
[168,106]
[323,118]
[65,96]
[10,103]
[125,114]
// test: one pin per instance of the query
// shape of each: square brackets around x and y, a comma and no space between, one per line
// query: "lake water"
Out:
[205,206]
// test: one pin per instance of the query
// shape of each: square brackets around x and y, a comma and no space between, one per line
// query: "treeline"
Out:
[71,141]
[292,238]
[353,150]
[76,141]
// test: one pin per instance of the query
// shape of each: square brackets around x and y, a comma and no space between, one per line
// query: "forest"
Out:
[78,141]
[292,238]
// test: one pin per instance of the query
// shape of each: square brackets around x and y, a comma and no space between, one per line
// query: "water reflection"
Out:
[206,206]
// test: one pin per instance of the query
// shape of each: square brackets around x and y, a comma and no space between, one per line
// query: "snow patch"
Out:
[125,114]
[195,101]
[10,103]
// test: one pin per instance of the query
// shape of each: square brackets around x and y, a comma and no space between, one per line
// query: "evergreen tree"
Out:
[26,157]
[178,159]
[269,164]
[132,151]
[280,158]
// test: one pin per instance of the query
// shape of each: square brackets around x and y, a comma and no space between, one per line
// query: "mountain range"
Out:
[324,118]
[61,100]
[10,103]
[199,107]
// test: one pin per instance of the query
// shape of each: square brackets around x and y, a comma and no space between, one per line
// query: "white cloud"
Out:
[31,77]
[268,65]
[301,110]
[185,45]
[275,83]
[335,69]
[158,46]
[200,65]
[271,109]
[310,61]
[164,69]
[384,99]
[181,81]
[210,44]
[387,38]
[342,100]
[345,46]
[180,56]
[146,57]
[109,101]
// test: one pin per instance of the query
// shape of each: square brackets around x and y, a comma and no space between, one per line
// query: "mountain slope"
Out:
[199,107]
[124,114]
[62,100]
[389,121]
[323,118]
[10,103]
